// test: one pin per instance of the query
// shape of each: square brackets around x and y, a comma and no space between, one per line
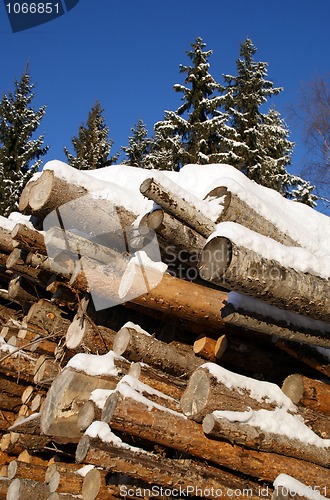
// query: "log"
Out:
[172,296]
[256,438]
[154,469]
[47,193]
[307,355]
[247,321]
[237,210]
[84,335]
[209,348]
[24,470]
[174,233]
[310,393]
[28,239]
[181,208]
[48,317]
[68,392]
[163,382]
[212,387]
[126,414]
[11,394]
[63,478]
[224,263]
[45,370]
[138,346]
[17,363]
[20,489]
[6,242]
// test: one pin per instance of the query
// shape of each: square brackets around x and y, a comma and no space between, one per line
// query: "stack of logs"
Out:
[123,401]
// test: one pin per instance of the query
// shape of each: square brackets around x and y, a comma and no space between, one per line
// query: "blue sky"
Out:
[127,54]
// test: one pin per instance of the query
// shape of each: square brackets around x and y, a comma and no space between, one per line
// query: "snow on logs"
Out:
[225,263]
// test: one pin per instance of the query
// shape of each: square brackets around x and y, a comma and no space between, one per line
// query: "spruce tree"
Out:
[20,150]
[92,145]
[139,146]
[245,94]
[193,133]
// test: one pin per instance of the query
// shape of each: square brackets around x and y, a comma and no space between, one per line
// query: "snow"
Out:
[296,258]
[84,470]
[277,421]
[94,364]
[139,386]
[135,327]
[296,488]
[100,396]
[259,390]
[101,430]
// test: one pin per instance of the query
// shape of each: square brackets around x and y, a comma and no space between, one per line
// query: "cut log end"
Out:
[155,219]
[109,407]
[86,415]
[196,394]
[75,334]
[121,341]
[208,423]
[91,485]
[145,186]
[215,259]
[293,387]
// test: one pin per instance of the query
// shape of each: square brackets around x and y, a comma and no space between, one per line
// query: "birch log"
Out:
[224,263]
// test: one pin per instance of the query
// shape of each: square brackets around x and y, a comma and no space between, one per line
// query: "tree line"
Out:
[215,123]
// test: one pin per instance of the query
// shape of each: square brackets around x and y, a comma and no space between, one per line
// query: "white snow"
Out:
[100,396]
[277,421]
[94,364]
[84,470]
[257,389]
[140,387]
[296,488]
[102,431]
[135,327]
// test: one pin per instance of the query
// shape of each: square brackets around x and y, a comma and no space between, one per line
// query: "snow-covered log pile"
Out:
[163,334]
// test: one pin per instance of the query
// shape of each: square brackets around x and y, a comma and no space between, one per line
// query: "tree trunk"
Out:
[83,335]
[28,239]
[21,489]
[308,392]
[252,437]
[137,346]
[174,431]
[178,207]
[246,321]
[47,193]
[65,397]
[224,263]
[206,393]
[155,469]
[237,210]
[172,296]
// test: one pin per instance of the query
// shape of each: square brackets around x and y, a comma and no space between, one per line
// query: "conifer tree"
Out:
[92,145]
[20,150]
[139,146]
[193,133]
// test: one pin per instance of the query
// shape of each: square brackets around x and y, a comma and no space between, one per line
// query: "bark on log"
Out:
[246,321]
[162,382]
[24,470]
[206,393]
[310,393]
[22,291]
[47,193]
[224,263]
[65,397]
[152,468]
[178,207]
[253,437]
[47,316]
[6,242]
[237,210]
[16,261]
[21,489]
[45,370]
[11,394]
[172,430]
[172,296]
[307,355]
[17,364]
[63,479]
[137,346]
[28,239]
[173,231]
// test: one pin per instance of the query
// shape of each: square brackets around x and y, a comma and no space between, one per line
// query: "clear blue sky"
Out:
[127,53]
